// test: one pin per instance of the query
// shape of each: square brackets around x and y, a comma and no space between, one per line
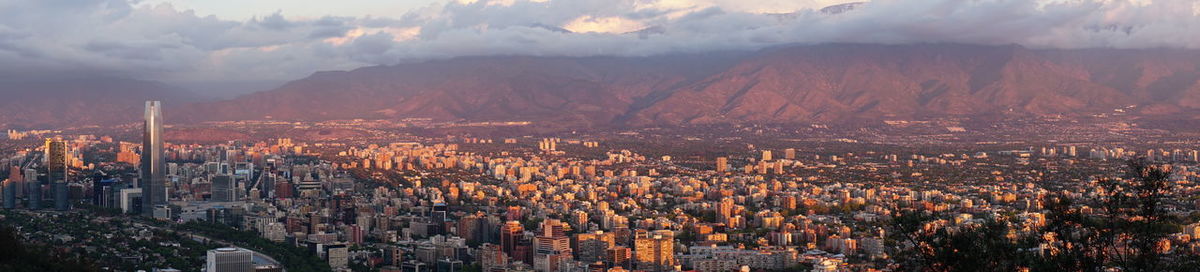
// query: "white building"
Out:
[127,198]
[230,259]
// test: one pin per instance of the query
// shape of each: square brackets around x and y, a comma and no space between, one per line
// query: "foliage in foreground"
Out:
[1122,227]
[18,256]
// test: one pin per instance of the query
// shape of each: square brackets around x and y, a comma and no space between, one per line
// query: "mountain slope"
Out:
[820,83]
[577,91]
[834,82]
[1163,78]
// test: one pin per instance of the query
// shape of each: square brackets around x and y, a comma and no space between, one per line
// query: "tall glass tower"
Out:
[56,172]
[153,176]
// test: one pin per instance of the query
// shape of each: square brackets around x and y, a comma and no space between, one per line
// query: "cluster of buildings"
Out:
[527,205]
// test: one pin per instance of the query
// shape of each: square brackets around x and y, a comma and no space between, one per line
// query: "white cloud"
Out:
[611,25]
[164,42]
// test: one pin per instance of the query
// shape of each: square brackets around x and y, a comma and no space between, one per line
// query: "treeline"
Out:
[1123,225]
[18,256]
[294,259]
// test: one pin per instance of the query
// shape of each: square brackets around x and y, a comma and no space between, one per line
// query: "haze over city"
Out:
[599,135]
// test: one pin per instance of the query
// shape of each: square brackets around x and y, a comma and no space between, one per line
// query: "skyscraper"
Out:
[222,189]
[10,194]
[153,178]
[103,190]
[12,187]
[510,235]
[56,171]
[35,195]
[27,182]
[15,176]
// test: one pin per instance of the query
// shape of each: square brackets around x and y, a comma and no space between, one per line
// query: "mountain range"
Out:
[788,84]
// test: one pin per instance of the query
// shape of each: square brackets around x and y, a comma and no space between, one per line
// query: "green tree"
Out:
[1122,228]
[19,256]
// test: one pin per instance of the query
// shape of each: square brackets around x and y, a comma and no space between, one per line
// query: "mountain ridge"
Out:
[783,84]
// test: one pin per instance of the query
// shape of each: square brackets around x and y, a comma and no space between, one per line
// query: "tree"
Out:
[1124,229]
[19,256]
[987,246]
[1123,226]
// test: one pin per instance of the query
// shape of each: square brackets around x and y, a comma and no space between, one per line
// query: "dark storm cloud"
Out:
[167,43]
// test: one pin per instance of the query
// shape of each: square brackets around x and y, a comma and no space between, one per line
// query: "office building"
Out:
[130,200]
[510,235]
[10,194]
[153,166]
[492,257]
[30,177]
[552,247]
[35,193]
[230,260]
[592,246]
[18,180]
[103,190]
[447,265]
[337,255]
[55,160]
[223,189]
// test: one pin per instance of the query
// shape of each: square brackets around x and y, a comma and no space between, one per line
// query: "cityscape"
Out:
[472,140]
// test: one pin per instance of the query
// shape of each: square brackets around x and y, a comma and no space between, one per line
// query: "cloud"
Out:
[164,42]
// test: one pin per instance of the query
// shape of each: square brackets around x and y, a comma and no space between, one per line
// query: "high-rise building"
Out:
[130,200]
[23,184]
[18,180]
[223,189]
[447,265]
[61,196]
[35,192]
[492,257]
[438,217]
[337,255]
[153,176]
[56,171]
[722,164]
[103,190]
[230,260]
[10,194]
[552,247]
[619,256]
[510,235]
[766,155]
[592,246]
[789,153]
[654,250]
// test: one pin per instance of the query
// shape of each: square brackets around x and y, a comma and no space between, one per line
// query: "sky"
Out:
[212,45]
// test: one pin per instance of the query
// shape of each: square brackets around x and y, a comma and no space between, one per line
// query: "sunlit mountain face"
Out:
[220,49]
[791,84]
